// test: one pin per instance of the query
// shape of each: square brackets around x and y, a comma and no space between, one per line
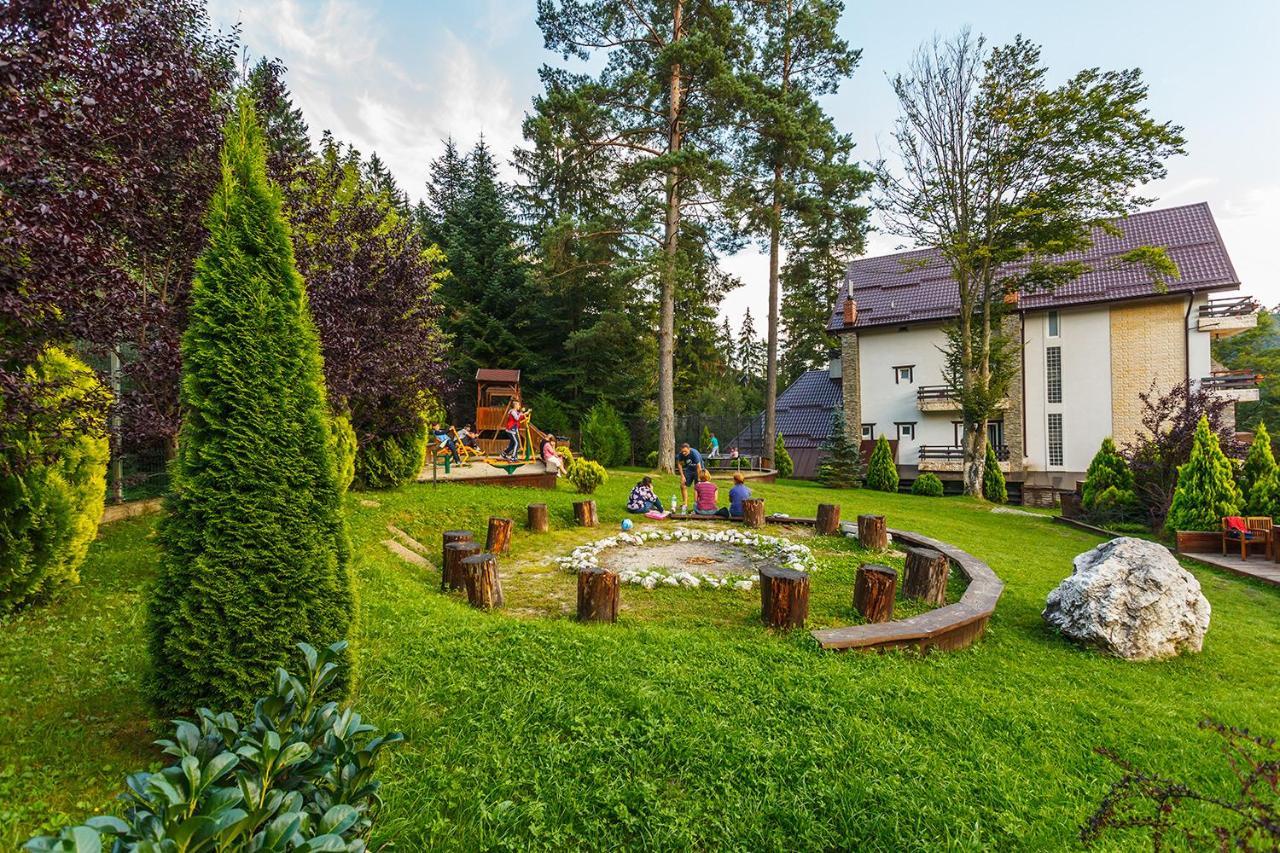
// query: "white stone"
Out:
[742,585]
[1130,598]
[669,581]
[650,582]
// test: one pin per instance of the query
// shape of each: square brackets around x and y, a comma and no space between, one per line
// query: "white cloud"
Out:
[1250,223]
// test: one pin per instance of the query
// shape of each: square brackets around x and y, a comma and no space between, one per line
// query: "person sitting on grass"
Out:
[441,433]
[643,499]
[737,495]
[705,492]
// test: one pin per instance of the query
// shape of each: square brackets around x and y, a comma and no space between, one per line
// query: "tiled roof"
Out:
[804,411]
[916,286]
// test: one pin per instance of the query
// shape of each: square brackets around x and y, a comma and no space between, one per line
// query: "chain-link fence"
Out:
[746,432]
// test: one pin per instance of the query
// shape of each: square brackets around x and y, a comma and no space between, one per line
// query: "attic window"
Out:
[868,431]
[904,374]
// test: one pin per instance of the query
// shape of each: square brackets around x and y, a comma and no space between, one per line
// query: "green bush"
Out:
[605,437]
[993,487]
[1264,497]
[1108,471]
[298,776]
[1259,465]
[50,506]
[705,443]
[254,550]
[384,463]
[842,463]
[882,474]
[782,459]
[587,476]
[1206,490]
[343,439]
[549,414]
[651,460]
[928,485]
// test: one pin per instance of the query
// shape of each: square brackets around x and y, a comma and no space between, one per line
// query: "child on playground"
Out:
[550,458]
[467,437]
[441,434]
[516,418]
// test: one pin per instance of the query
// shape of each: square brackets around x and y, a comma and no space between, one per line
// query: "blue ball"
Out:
[626,524]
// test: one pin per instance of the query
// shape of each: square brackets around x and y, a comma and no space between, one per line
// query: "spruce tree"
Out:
[1206,490]
[840,467]
[882,474]
[782,459]
[993,487]
[254,551]
[1259,464]
[1108,470]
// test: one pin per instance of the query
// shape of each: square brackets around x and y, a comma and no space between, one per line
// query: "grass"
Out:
[685,725]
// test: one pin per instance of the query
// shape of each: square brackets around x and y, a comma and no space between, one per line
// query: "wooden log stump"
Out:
[925,576]
[828,520]
[499,539]
[450,536]
[872,532]
[452,575]
[753,512]
[584,513]
[784,597]
[539,520]
[597,595]
[484,587]
[873,591]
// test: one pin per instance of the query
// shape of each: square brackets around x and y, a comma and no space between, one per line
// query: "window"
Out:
[995,433]
[868,431]
[903,374]
[906,431]
[1055,438]
[1053,324]
[1053,373]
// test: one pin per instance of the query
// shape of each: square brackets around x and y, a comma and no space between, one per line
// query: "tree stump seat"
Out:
[873,590]
[784,597]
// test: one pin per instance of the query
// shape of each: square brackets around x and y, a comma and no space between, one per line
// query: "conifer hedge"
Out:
[882,474]
[993,485]
[782,459]
[1206,490]
[254,550]
[50,505]
[1259,468]
[1108,476]
[841,465]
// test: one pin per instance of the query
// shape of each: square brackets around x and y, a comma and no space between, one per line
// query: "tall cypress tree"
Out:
[254,547]
[1206,489]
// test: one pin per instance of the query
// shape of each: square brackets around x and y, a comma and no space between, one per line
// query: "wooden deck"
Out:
[476,473]
[1257,567]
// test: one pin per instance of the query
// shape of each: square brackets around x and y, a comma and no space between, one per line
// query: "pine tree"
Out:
[750,350]
[254,551]
[1259,464]
[882,473]
[1206,490]
[842,463]
[1108,470]
[782,459]
[993,487]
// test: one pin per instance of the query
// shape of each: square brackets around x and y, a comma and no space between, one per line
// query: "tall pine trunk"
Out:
[771,367]
[667,294]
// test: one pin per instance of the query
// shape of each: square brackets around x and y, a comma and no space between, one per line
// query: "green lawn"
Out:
[685,725]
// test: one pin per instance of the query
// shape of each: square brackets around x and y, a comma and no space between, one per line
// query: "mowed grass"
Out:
[686,724]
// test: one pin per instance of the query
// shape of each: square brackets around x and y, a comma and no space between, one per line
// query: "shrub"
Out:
[1264,497]
[1206,489]
[782,459]
[993,487]
[384,463]
[566,457]
[927,484]
[705,442]
[343,439]
[842,463]
[549,414]
[651,460]
[308,762]
[1259,464]
[882,474]
[50,506]
[587,476]
[254,550]
[605,437]
[1108,470]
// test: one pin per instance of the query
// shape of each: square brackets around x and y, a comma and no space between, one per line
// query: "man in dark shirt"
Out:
[689,462]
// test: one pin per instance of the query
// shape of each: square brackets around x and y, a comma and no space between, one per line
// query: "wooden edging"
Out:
[955,626]
[130,509]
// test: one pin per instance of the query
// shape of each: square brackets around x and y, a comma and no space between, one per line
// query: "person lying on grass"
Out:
[643,499]
[705,492]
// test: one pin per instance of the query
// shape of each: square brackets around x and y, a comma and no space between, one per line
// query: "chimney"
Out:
[1011,298]
[850,312]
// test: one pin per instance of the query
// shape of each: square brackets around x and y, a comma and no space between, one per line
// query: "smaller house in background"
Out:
[805,411]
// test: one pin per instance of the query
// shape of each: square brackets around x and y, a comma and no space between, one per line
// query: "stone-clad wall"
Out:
[1148,343]
[1013,437]
[851,386]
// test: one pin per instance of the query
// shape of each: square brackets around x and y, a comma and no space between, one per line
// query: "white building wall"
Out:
[885,402]
[1198,342]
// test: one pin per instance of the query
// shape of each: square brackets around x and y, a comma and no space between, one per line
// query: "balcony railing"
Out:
[955,452]
[935,392]
[1232,380]
[1234,306]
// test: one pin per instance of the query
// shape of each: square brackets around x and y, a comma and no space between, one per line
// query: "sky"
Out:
[399,76]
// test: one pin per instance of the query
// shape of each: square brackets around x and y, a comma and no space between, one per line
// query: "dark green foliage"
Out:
[605,437]
[50,504]
[587,475]
[255,552]
[704,444]
[842,465]
[782,459]
[1109,475]
[993,487]
[298,776]
[928,485]
[651,459]
[384,463]
[1259,464]
[549,414]
[882,473]
[1256,349]
[1206,489]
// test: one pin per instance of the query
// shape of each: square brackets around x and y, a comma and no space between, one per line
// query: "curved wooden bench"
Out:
[955,626]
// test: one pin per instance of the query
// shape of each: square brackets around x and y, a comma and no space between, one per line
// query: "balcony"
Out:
[1238,385]
[1229,316]
[950,457]
[942,398]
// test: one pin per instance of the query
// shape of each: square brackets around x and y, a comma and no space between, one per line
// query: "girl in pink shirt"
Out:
[705,490]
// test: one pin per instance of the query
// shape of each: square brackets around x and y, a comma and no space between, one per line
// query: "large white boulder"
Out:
[1130,598]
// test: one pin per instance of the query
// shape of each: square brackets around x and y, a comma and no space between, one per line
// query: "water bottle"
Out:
[673,503]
